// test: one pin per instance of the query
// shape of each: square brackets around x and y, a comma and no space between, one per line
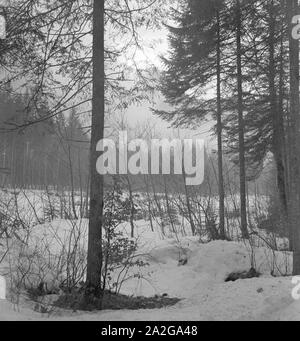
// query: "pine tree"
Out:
[264,60]
[195,65]
[241,125]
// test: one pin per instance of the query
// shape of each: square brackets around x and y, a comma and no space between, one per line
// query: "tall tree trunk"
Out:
[188,203]
[146,179]
[242,162]
[158,205]
[219,133]
[72,182]
[294,202]
[169,211]
[278,132]
[283,168]
[94,261]
[132,206]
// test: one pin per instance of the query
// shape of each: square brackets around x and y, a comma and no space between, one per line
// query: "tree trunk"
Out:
[158,205]
[242,162]
[220,141]
[278,134]
[170,215]
[132,206]
[188,203]
[282,165]
[294,202]
[94,261]
[146,178]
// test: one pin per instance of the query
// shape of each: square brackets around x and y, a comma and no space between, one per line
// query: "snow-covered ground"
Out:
[254,299]
[200,283]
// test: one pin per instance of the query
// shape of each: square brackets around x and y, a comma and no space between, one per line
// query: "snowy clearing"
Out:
[200,283]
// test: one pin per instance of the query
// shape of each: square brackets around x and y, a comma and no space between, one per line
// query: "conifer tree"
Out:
[195,65]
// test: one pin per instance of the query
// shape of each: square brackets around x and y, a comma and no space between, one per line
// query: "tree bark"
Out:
[278,131]
[94,261]
[294,198]
[242,162]
[220,141]
[282,167]
[188,204]
[132,206]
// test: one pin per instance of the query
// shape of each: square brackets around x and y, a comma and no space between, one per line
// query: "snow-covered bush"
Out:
[119,251]
[51,257]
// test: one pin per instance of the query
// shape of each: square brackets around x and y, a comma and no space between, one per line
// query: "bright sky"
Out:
[139,115]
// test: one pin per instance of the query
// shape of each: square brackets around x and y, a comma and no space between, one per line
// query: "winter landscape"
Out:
[149,160]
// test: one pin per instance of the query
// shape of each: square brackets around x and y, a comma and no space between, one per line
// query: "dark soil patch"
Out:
[252,273]
[113,302]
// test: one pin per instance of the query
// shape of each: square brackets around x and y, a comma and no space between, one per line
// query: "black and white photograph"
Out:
[149,163]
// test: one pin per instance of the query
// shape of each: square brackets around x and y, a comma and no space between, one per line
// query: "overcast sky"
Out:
[137,115]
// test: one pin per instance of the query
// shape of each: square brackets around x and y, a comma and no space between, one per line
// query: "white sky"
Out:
[139,115]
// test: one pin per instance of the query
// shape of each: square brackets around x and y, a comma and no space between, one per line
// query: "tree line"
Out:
[243,54]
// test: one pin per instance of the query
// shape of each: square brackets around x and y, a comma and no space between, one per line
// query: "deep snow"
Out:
[200,283]
[260,299]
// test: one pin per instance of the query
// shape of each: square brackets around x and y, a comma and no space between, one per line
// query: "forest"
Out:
[78,243]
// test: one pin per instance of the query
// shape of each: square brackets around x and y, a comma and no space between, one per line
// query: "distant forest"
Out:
[55,153]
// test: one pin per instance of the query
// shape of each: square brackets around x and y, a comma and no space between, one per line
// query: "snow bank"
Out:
[183,268]
[257,299]
[200,282]
[289,313]
[207,266]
